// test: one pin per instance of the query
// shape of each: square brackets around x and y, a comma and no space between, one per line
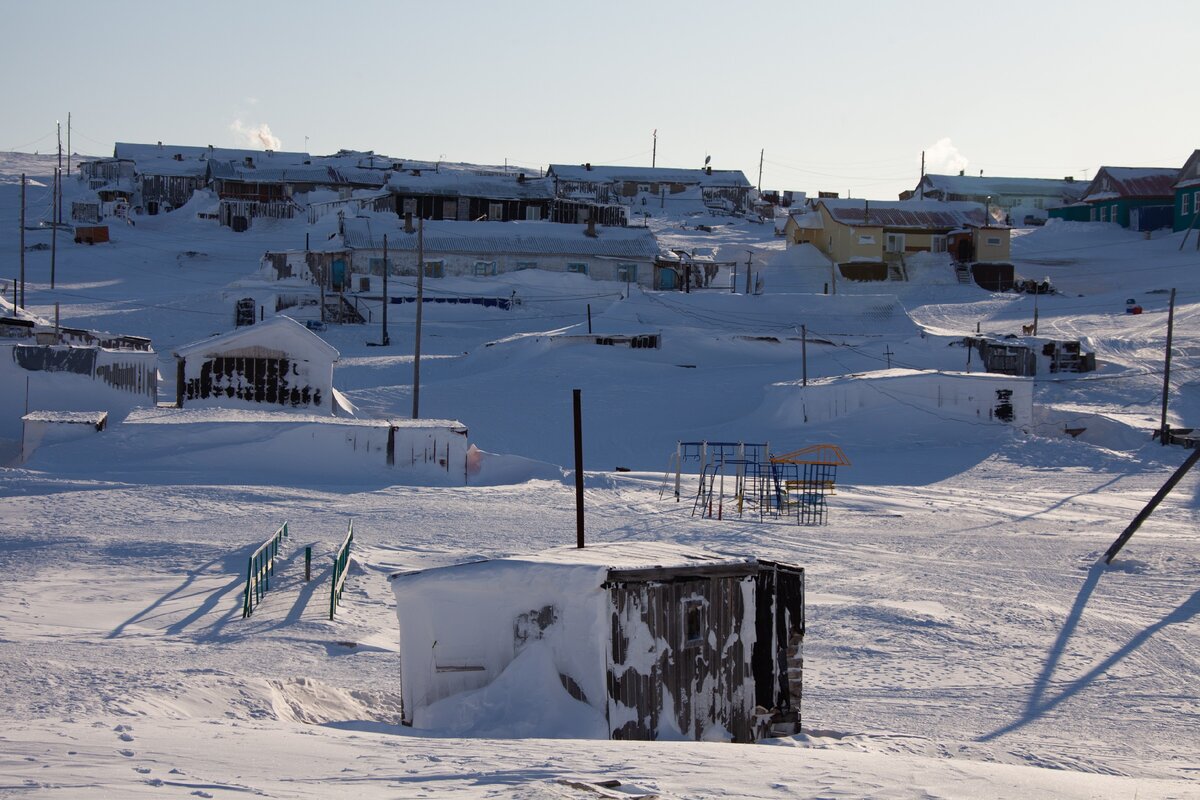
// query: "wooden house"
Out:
[1187,194]
[1140,198]
[655,640]
[1011,198]
[276,363]
[626,255]
[722,187]
[870,239]
[466,196]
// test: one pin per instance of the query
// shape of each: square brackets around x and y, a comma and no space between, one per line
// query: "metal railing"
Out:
[341,565]
[260,569]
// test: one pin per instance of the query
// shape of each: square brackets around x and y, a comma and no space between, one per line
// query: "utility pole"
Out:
[578,408]
[68,142]
[385,341]
[804,355]
[887,351]
[1035,309]
[53,232]
[921,185]
[22,302]
[761,153]
[749,258]
[654,150]
[420,308]
[1163,436]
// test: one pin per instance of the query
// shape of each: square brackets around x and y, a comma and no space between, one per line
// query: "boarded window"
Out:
[693,622]
[485,267]
[435,269]
[577,267]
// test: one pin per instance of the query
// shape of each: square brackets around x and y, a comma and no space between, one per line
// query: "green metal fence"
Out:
[341,564]
[260,570]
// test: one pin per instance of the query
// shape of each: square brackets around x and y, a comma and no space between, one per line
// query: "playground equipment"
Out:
[790,485]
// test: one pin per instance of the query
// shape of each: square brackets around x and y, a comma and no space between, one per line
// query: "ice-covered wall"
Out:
[460,628]
[985,397]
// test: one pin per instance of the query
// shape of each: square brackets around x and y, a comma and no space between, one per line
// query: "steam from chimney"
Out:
[257,136]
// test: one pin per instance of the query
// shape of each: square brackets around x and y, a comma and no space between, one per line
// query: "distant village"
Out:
[367,217]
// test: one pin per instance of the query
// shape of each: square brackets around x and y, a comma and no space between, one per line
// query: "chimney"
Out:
[866,210]
[708,170]
[178,156]
[1069,179]
[408,226]
[249,161]
[588,166]
[160,144]
[981,173]
[520,177]
[961,172]
[591,228]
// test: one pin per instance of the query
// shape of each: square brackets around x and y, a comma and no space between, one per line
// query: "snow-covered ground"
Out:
[962,641]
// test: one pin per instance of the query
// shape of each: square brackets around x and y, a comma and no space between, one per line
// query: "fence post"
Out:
[307,564]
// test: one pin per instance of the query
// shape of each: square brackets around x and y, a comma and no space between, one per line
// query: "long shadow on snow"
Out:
[1038,703]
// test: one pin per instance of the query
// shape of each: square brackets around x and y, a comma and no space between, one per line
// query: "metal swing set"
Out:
[786,486]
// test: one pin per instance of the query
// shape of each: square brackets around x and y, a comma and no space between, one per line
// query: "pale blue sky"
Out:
[843,96]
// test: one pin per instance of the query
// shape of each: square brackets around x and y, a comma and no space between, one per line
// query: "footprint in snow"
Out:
[142,770]
[126,753]
[199,793]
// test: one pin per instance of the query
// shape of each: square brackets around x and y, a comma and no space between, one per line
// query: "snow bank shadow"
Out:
[1039,702]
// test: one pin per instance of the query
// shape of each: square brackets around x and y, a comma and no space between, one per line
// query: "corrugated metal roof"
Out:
[918,214]
[463,184]
[1132,182]
[976,186]
[512,238]
[603,174]
[149,152]
[303,173]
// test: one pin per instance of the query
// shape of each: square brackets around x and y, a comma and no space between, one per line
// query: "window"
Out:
[1094,216]
[485,267]
[866,238]
[1104,214]
[1196,202]
[526,265]
[435,269]
[577,267]
[375,266]
[496,212]
[533,213]
[693,622]
[1114,214]
[627,273]
[410,206]
[643,187]
[937,243]
[1183,207]
[993,241]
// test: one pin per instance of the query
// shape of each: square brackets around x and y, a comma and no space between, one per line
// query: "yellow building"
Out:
[870,240]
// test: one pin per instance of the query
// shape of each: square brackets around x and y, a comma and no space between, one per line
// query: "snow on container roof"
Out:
[281,334]
[298,173]
[96,418]
[201,415]
[465,184]
[603,174]
[514,238]
[148,152]
[601,558]
[983,186]
[1111,183]
[920,214]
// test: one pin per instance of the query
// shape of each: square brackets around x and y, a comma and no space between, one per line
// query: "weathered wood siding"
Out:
[680,658]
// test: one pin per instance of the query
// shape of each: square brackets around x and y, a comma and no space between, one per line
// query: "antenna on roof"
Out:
[707,159]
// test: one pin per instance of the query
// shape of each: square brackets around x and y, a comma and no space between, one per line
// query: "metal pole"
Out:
[589,313]
[1162,428]
[578,467]
[761,153]
[385,341]
[804,354]
[420,308]
[749,259]
[68,142]
[22,303]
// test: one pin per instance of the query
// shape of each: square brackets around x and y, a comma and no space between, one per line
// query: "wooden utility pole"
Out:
[22,302]
[921,184]
[53,232]
[749,258]
[578,407]
[416,413]
[804,355]
[68,142]
[1153,504]
[761,153]
[1163,434]
[1036,292]
[654,150]
[385,341]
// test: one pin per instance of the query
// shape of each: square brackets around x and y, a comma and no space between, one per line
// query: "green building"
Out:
[1141,198]
[1187,194]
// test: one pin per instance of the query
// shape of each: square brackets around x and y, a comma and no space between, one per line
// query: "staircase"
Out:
[896,268]
[963,272]
[340,310]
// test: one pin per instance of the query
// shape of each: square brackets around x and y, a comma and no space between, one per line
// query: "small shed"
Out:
[657,640]
[278,362]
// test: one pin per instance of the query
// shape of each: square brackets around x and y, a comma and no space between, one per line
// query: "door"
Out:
[666,279]
[894,243]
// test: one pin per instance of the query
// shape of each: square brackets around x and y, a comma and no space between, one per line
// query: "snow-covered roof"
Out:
[603,174]
[920,214]
[979,186]
[807,218]
[67,417]
[281,334]
[464,184]
[269,173]
[149,152]
[198,415]
[1190,174]
[1112,183]
[602,557]
[493,238]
